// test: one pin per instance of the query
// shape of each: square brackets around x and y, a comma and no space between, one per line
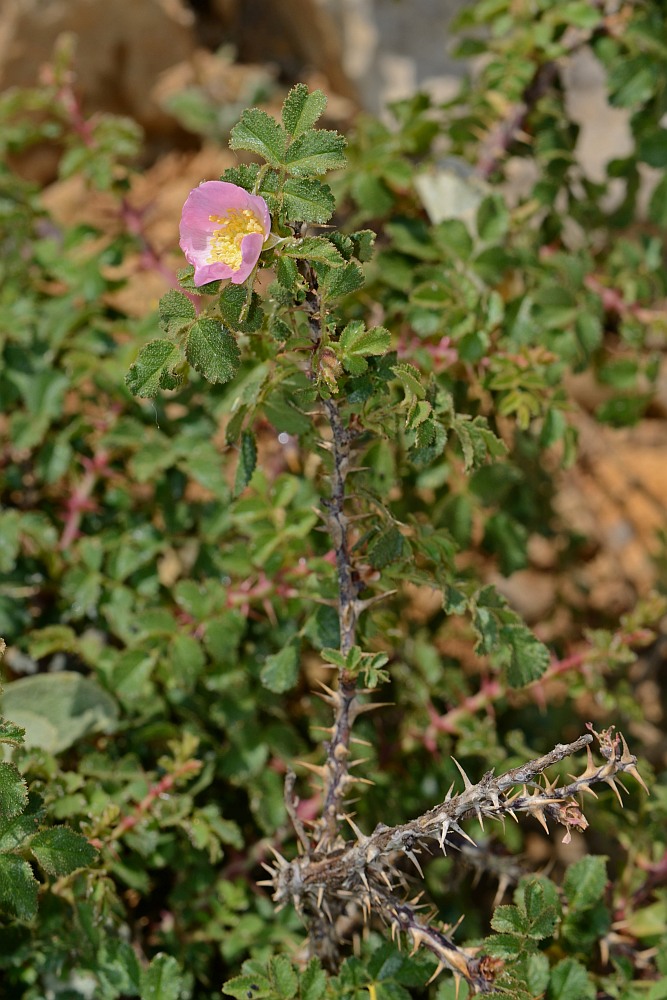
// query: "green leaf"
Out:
[58,709]
[315,152]
[528,657]
[11,733]
[249,986]
[357,343]
[509,920]
[281,670]
[387,547]
[569,981]
[302,109]
[51,639]
[341,281]
[176,312]
[364,244]
[154,368]
[313,981]
[235,311]
[60,850]
[585,882]
[213,351]
[260,133]
[307,200]
[163,979]
[13,791]
[541,915]
[18,887]
[313,248]
[283,977]
[247,462]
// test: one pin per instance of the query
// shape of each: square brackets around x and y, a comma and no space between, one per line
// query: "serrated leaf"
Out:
[315,152]
[154,368]
[249,986]
[60,850]
[176,312]
[18,887]
[410,379]
[11,733]
[302,109]
[247,462]
[528,657]
[386,548]
[314,248]
[341,281]
[244,175]
[357,343]
[13,832]
[213,351]
[585,882]
[287,275]
[281,670]
[569,981]
[307,200]
[162,980]
[313,981]
[13,791]
[260,133]
[236,313]
[509,920]
[364,244]
[283,977]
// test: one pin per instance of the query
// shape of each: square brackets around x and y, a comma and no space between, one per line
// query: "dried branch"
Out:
[323,883]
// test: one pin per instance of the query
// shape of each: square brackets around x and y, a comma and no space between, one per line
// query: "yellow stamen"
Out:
[225,244]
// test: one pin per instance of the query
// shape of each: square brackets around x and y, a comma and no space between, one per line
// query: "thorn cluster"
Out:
[330,879]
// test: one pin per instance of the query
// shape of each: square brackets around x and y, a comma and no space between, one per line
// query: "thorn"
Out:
[364,879]
[320,897]
[457,986]
[269,869]
[612,784]
[361,837]
[413,858]
[632,770]
[437,972]
[539,816]
[319,769]
[385,878]
[360,606]
[266,881]
[357,739]
[466,780]
[443,833]
[360,709]
[449,792]
[394,930]
[480,818]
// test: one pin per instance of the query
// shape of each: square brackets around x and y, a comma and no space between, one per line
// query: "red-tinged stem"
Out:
[80,502]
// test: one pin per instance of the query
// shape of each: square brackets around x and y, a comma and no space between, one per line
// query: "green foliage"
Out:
[169,590]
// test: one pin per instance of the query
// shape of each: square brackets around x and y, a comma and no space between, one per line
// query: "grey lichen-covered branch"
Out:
[363,873]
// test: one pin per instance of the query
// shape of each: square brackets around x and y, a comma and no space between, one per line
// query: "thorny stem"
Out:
[322,886]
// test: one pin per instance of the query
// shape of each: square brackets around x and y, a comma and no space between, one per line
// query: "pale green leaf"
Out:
[13,791]
[281,670]
[162,980]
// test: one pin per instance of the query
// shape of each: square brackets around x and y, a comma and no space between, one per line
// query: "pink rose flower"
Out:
[223,229]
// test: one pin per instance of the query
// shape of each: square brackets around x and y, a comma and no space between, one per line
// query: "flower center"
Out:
[225,243]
